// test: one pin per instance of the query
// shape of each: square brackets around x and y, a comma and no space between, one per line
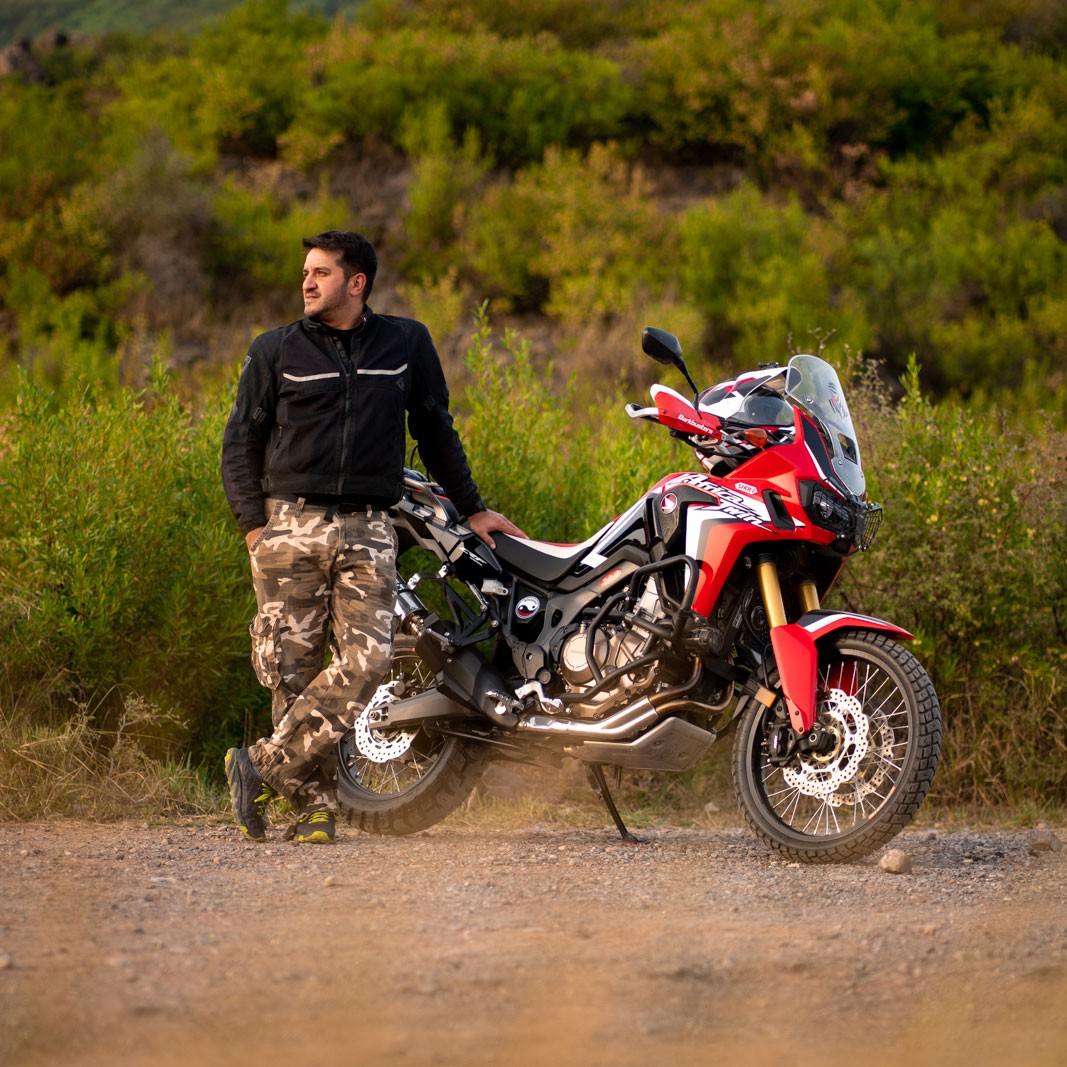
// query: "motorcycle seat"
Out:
[541,560]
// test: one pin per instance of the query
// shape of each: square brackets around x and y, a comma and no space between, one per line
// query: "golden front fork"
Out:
[772,593]
[771,590]
[809,596]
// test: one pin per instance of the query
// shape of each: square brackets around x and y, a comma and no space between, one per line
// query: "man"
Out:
[312,457]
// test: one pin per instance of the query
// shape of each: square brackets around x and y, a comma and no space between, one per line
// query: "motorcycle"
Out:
[695,614]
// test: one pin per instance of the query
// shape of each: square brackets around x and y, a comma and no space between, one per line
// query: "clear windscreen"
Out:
[812,384]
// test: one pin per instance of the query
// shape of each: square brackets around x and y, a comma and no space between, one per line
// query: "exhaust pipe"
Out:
[624,723]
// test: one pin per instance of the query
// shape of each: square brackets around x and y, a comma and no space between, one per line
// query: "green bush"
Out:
[510,420]
[760,273]
[520,94]
[121,574]
[64,340]
[980,286]
[717,80]
[47,135]
[446,177]
[257,233]
[559,469]
[255,66]
[789,84]
[970,558]
[234,87]
[569,233]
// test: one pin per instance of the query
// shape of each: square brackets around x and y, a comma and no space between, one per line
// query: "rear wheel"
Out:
[402,781]
[879,705]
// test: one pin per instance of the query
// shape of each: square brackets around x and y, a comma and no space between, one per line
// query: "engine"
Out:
[616,643]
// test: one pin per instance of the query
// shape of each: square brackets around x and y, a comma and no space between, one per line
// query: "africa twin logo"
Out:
[735,506]
[730,505]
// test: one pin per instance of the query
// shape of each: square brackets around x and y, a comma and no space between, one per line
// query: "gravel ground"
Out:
[129,944]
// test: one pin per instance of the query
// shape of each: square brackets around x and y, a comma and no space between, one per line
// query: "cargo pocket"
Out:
[264,632]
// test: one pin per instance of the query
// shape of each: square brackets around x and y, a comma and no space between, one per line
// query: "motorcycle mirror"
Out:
[665,348]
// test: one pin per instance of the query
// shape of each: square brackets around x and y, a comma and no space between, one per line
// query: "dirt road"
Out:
[123,945]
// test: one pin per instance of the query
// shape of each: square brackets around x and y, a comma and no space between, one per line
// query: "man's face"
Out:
[329,297]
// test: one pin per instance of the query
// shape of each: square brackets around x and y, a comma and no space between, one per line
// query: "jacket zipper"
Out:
[348,434]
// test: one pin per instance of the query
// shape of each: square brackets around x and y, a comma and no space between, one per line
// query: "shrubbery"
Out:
[521,94]
[121,574]
[971,559]
[890,173]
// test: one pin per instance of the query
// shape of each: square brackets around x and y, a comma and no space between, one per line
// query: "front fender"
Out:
[797,656]
[821,623]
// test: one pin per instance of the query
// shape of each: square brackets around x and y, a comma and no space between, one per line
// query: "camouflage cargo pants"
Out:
[319,579]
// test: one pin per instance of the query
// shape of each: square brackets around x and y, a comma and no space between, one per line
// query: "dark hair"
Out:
[357,253]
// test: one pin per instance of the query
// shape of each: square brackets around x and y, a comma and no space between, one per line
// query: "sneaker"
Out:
[249,793]
[316,827]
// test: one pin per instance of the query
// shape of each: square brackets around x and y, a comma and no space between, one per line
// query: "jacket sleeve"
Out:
[430,423]
[247,432]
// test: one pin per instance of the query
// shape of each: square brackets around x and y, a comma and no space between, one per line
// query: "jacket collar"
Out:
[320,327]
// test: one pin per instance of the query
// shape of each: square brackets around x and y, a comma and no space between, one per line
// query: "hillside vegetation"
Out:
[887,178]
[31,18]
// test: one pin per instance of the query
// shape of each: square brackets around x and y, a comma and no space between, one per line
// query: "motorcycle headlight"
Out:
[850,520]
[831,513]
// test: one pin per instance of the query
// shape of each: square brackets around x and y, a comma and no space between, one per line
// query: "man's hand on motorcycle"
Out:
[485,523]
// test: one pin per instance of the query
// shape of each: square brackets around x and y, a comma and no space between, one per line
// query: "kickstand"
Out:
[600,785]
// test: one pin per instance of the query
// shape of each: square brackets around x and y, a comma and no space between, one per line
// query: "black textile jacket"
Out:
[312,420]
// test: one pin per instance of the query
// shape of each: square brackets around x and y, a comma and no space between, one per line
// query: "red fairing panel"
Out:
[736,516]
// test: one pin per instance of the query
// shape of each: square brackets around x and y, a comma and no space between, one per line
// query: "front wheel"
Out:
[403,781]
[835,806]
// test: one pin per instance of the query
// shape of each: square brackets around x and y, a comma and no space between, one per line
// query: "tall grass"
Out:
[123,581]
[75,769]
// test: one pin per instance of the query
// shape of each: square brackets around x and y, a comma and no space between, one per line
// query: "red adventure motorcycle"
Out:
[694,614]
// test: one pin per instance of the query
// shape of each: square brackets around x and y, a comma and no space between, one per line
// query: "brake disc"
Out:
[874,772]
[381,746]
[822,776]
